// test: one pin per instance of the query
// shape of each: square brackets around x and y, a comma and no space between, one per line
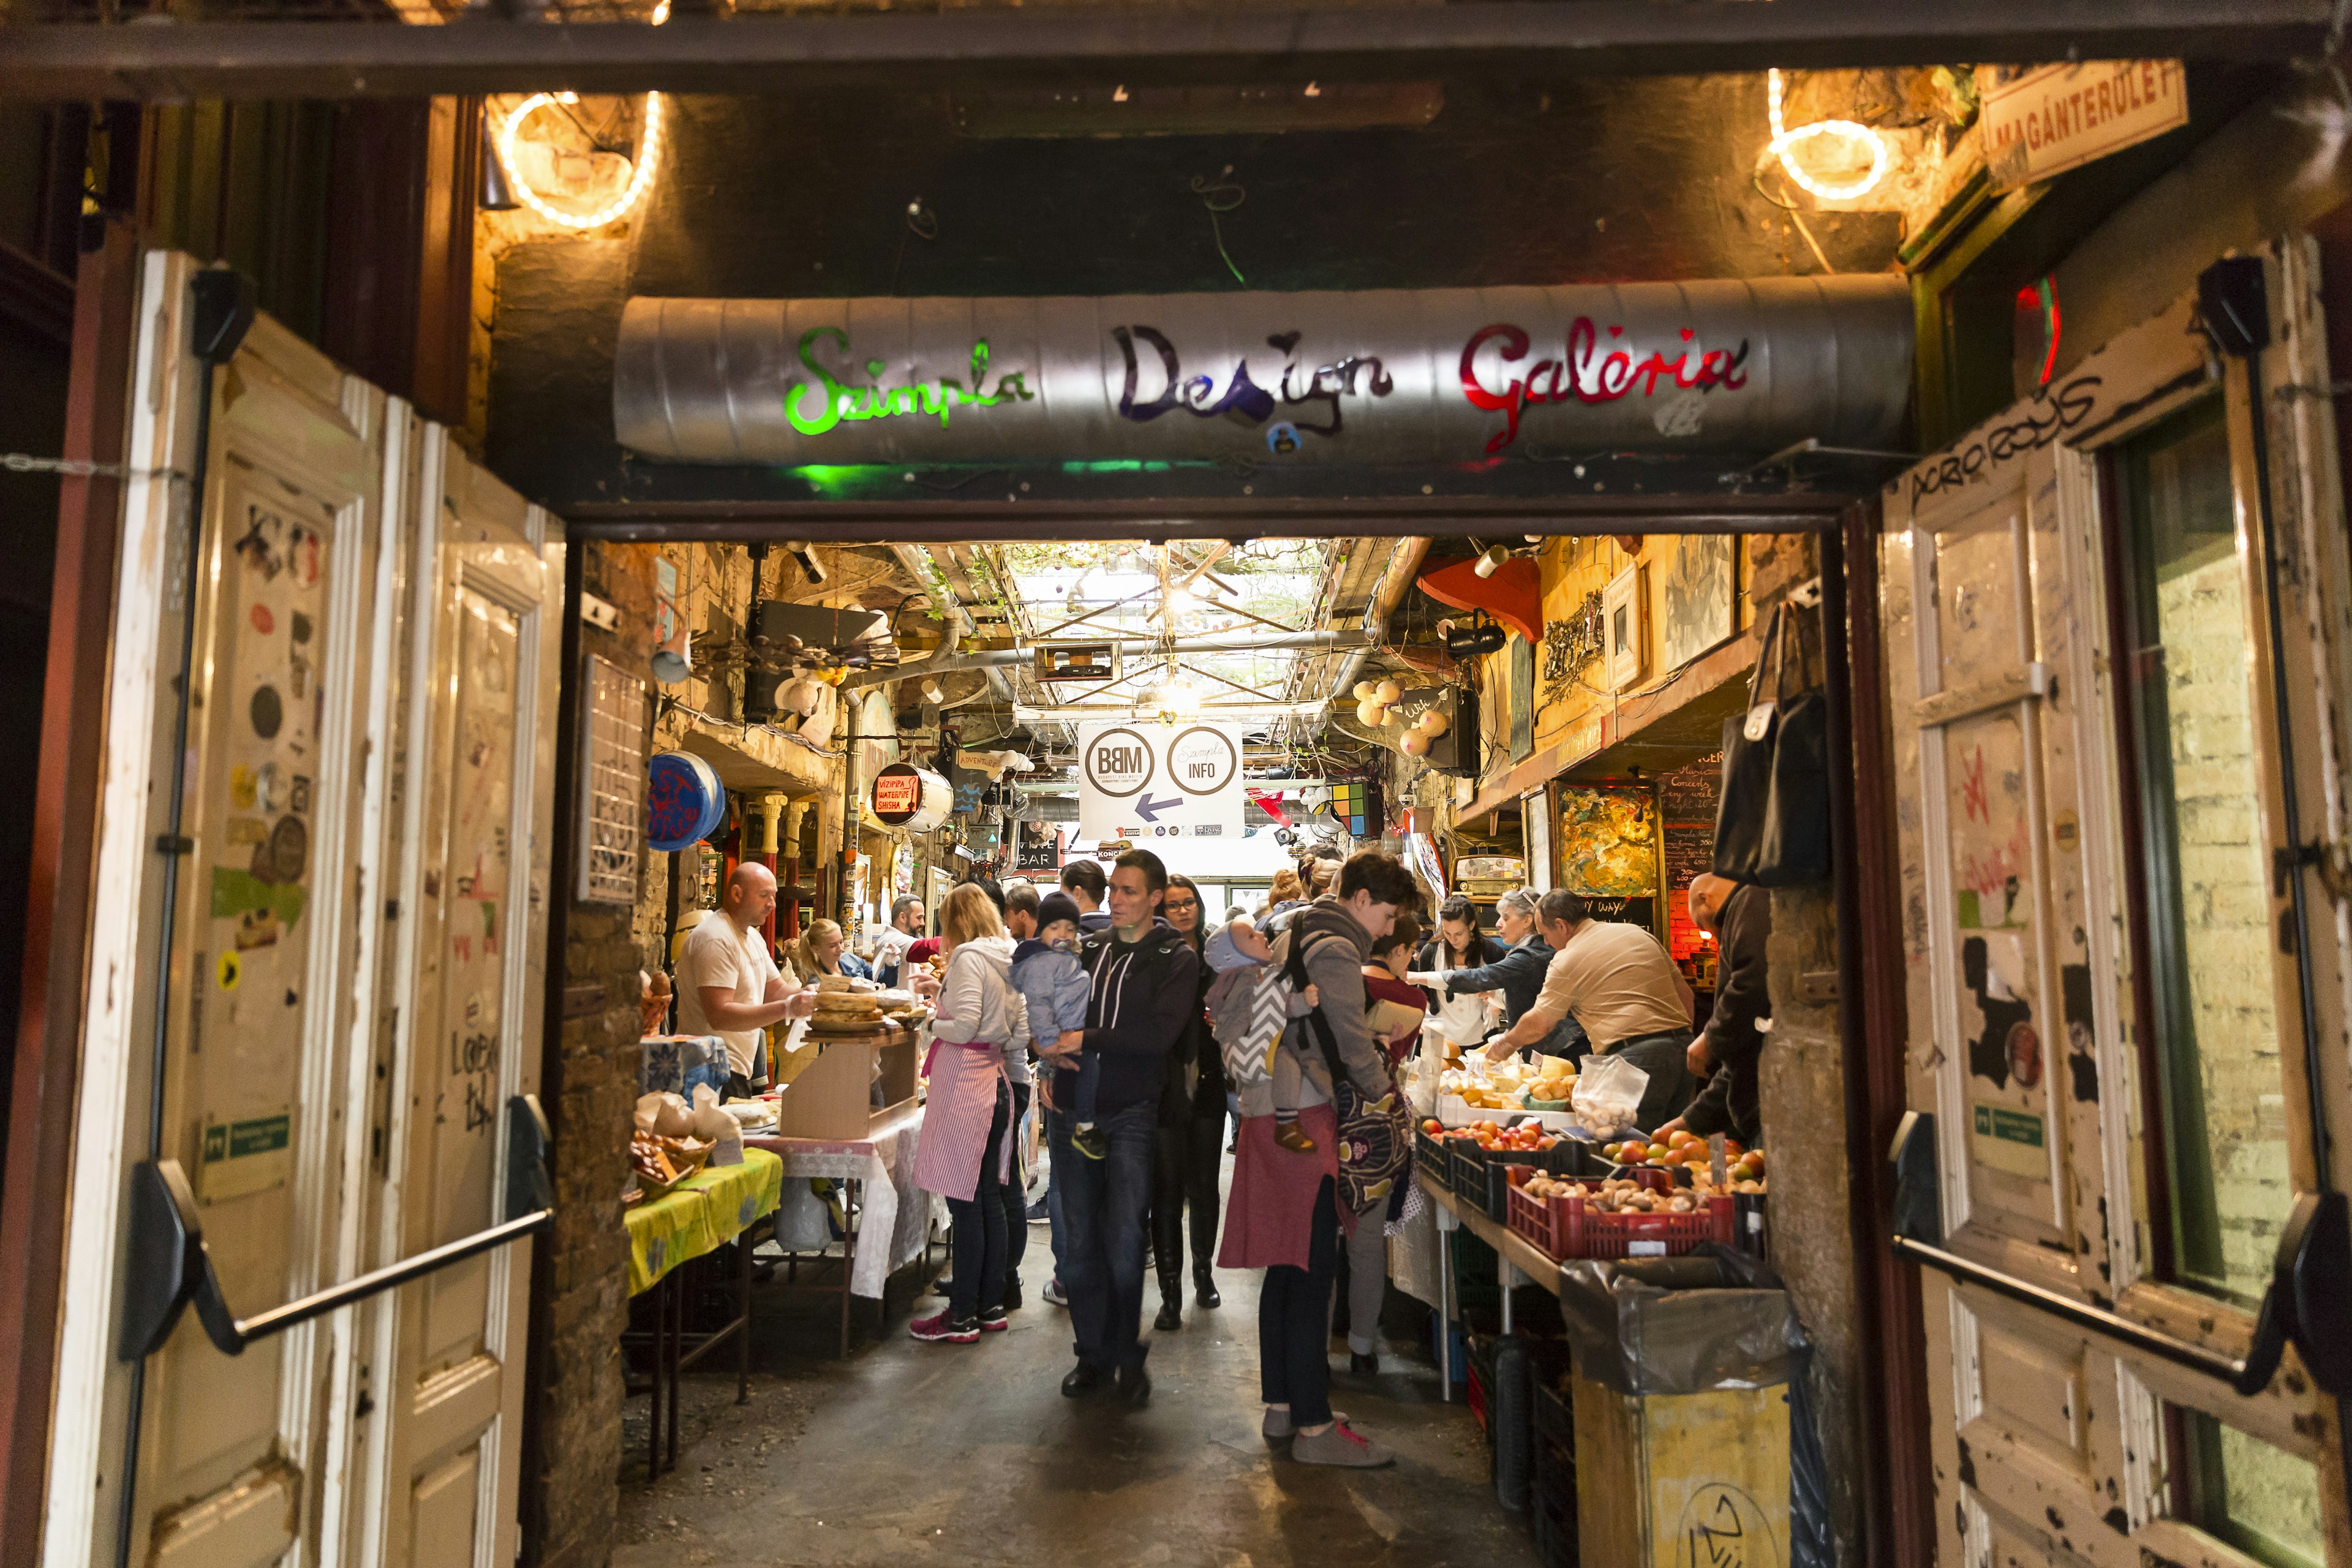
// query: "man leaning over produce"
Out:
[1621,986]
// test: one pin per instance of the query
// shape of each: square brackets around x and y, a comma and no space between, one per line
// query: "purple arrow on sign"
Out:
[1149,809]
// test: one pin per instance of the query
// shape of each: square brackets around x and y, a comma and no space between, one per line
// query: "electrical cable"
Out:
[1220,194]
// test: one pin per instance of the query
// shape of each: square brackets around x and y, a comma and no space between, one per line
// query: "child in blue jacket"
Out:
[1053,982]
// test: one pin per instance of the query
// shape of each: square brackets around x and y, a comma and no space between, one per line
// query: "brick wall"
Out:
[580,1296]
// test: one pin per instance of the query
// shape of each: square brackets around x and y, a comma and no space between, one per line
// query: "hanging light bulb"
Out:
[1177,698]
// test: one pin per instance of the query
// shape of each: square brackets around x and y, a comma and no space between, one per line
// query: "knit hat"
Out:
[1056,906]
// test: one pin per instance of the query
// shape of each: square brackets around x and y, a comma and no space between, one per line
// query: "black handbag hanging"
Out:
[1772,823]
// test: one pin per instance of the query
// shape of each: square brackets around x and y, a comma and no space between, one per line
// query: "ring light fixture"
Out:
[641,172]
[1784,141]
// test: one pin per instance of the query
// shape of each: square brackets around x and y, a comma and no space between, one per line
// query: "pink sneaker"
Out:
[946,1331]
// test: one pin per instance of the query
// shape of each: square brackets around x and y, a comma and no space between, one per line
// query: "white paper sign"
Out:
[1146,781]
[2061,117]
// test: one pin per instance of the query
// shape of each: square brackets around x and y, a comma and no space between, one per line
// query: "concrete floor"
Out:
[911,1453]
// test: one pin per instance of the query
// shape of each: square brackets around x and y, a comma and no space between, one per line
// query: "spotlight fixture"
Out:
[807,558]
[933,692]
[1491,560]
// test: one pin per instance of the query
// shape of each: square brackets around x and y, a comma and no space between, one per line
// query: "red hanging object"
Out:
[1513,596]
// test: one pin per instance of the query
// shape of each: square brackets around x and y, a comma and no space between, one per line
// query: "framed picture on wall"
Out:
[1624,623]
[1535,817]
[1701,589]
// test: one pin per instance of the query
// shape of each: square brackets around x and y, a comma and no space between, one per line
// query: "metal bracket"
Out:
[170,1269]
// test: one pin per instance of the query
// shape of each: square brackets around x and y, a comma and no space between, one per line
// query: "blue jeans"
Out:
[1104,1206]
[1089,1085]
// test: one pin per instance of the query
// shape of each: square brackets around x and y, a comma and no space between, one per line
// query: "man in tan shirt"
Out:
[1624,987]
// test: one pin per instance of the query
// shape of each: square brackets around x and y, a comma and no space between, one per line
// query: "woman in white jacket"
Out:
[965,1156]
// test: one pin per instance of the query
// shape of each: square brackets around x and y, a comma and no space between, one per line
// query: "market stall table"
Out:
[715,1206]
[879,1171]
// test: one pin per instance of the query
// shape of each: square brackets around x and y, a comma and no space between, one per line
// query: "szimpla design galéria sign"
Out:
[1439,377]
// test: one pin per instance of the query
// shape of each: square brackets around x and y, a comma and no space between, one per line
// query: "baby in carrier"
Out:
[1239,946]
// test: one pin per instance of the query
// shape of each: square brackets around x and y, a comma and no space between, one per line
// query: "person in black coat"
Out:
[1191,1141]
[1739,917]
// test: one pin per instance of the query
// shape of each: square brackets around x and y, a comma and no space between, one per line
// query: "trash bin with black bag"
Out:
[1694,1432]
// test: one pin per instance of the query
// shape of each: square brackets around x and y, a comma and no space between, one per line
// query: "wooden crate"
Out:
[833,1096]
[1664,1480]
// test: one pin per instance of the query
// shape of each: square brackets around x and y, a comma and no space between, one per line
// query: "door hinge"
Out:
[2332,860]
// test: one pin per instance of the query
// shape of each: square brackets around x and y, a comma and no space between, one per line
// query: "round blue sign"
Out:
[684,801]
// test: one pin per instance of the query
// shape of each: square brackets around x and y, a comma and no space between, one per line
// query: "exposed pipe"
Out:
[1386,595]
[998,658]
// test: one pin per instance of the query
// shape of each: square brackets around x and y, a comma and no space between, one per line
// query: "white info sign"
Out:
[1143,782]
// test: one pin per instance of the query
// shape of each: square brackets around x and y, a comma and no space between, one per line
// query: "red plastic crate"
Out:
[1544,1222]
[1587,1233]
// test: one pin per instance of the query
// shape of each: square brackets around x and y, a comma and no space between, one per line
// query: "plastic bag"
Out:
[1608,1093]
[711,1123]
[1716,1318]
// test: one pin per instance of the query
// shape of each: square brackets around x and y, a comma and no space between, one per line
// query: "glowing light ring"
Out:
[1785,140]
[641,172]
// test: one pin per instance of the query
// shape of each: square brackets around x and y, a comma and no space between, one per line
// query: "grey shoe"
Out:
[1279,1429]
[1340,1445]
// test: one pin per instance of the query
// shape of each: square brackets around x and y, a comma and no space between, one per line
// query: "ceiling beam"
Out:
[901,51]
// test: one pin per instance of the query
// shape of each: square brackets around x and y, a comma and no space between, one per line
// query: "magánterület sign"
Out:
[2046,121]
[1391,376]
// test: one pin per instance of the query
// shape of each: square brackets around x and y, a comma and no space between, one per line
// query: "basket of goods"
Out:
[1638,1216]
[1551,1085]
[661,1162]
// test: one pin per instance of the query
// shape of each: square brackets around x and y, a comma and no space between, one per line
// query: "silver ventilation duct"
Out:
[1389,377]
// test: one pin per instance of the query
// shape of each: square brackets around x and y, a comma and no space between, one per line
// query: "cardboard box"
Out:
[834,1097]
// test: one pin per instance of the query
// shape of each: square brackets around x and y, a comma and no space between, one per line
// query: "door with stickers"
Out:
[472,795]
[2109,983]
[249,1007]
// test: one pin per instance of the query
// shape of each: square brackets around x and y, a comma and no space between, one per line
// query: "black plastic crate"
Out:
[1465,1168]
[1429,1154]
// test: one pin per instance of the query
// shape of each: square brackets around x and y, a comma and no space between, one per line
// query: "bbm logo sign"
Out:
[1118,762]
[1202,760]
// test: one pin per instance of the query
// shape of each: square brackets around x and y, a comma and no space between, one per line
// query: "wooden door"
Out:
[472,797]
[256,1034]
[2104,1012]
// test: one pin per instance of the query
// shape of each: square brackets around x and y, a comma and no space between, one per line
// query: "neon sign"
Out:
[847,400]
[1587,373]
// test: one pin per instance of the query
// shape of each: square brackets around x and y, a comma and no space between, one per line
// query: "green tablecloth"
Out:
[714,1205]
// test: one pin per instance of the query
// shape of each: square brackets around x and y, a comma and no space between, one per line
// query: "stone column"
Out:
[767,807]
[795,816]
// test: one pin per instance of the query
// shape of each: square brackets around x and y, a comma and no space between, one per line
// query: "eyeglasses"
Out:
[1183,903]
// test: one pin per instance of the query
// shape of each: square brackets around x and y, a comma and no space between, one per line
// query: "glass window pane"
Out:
[2192,686]
[2260,1499]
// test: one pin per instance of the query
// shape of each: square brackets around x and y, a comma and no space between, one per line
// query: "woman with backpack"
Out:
[1287,1212]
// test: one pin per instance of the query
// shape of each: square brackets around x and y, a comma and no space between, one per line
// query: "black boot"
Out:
[1171,1316]
[1205,1288]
